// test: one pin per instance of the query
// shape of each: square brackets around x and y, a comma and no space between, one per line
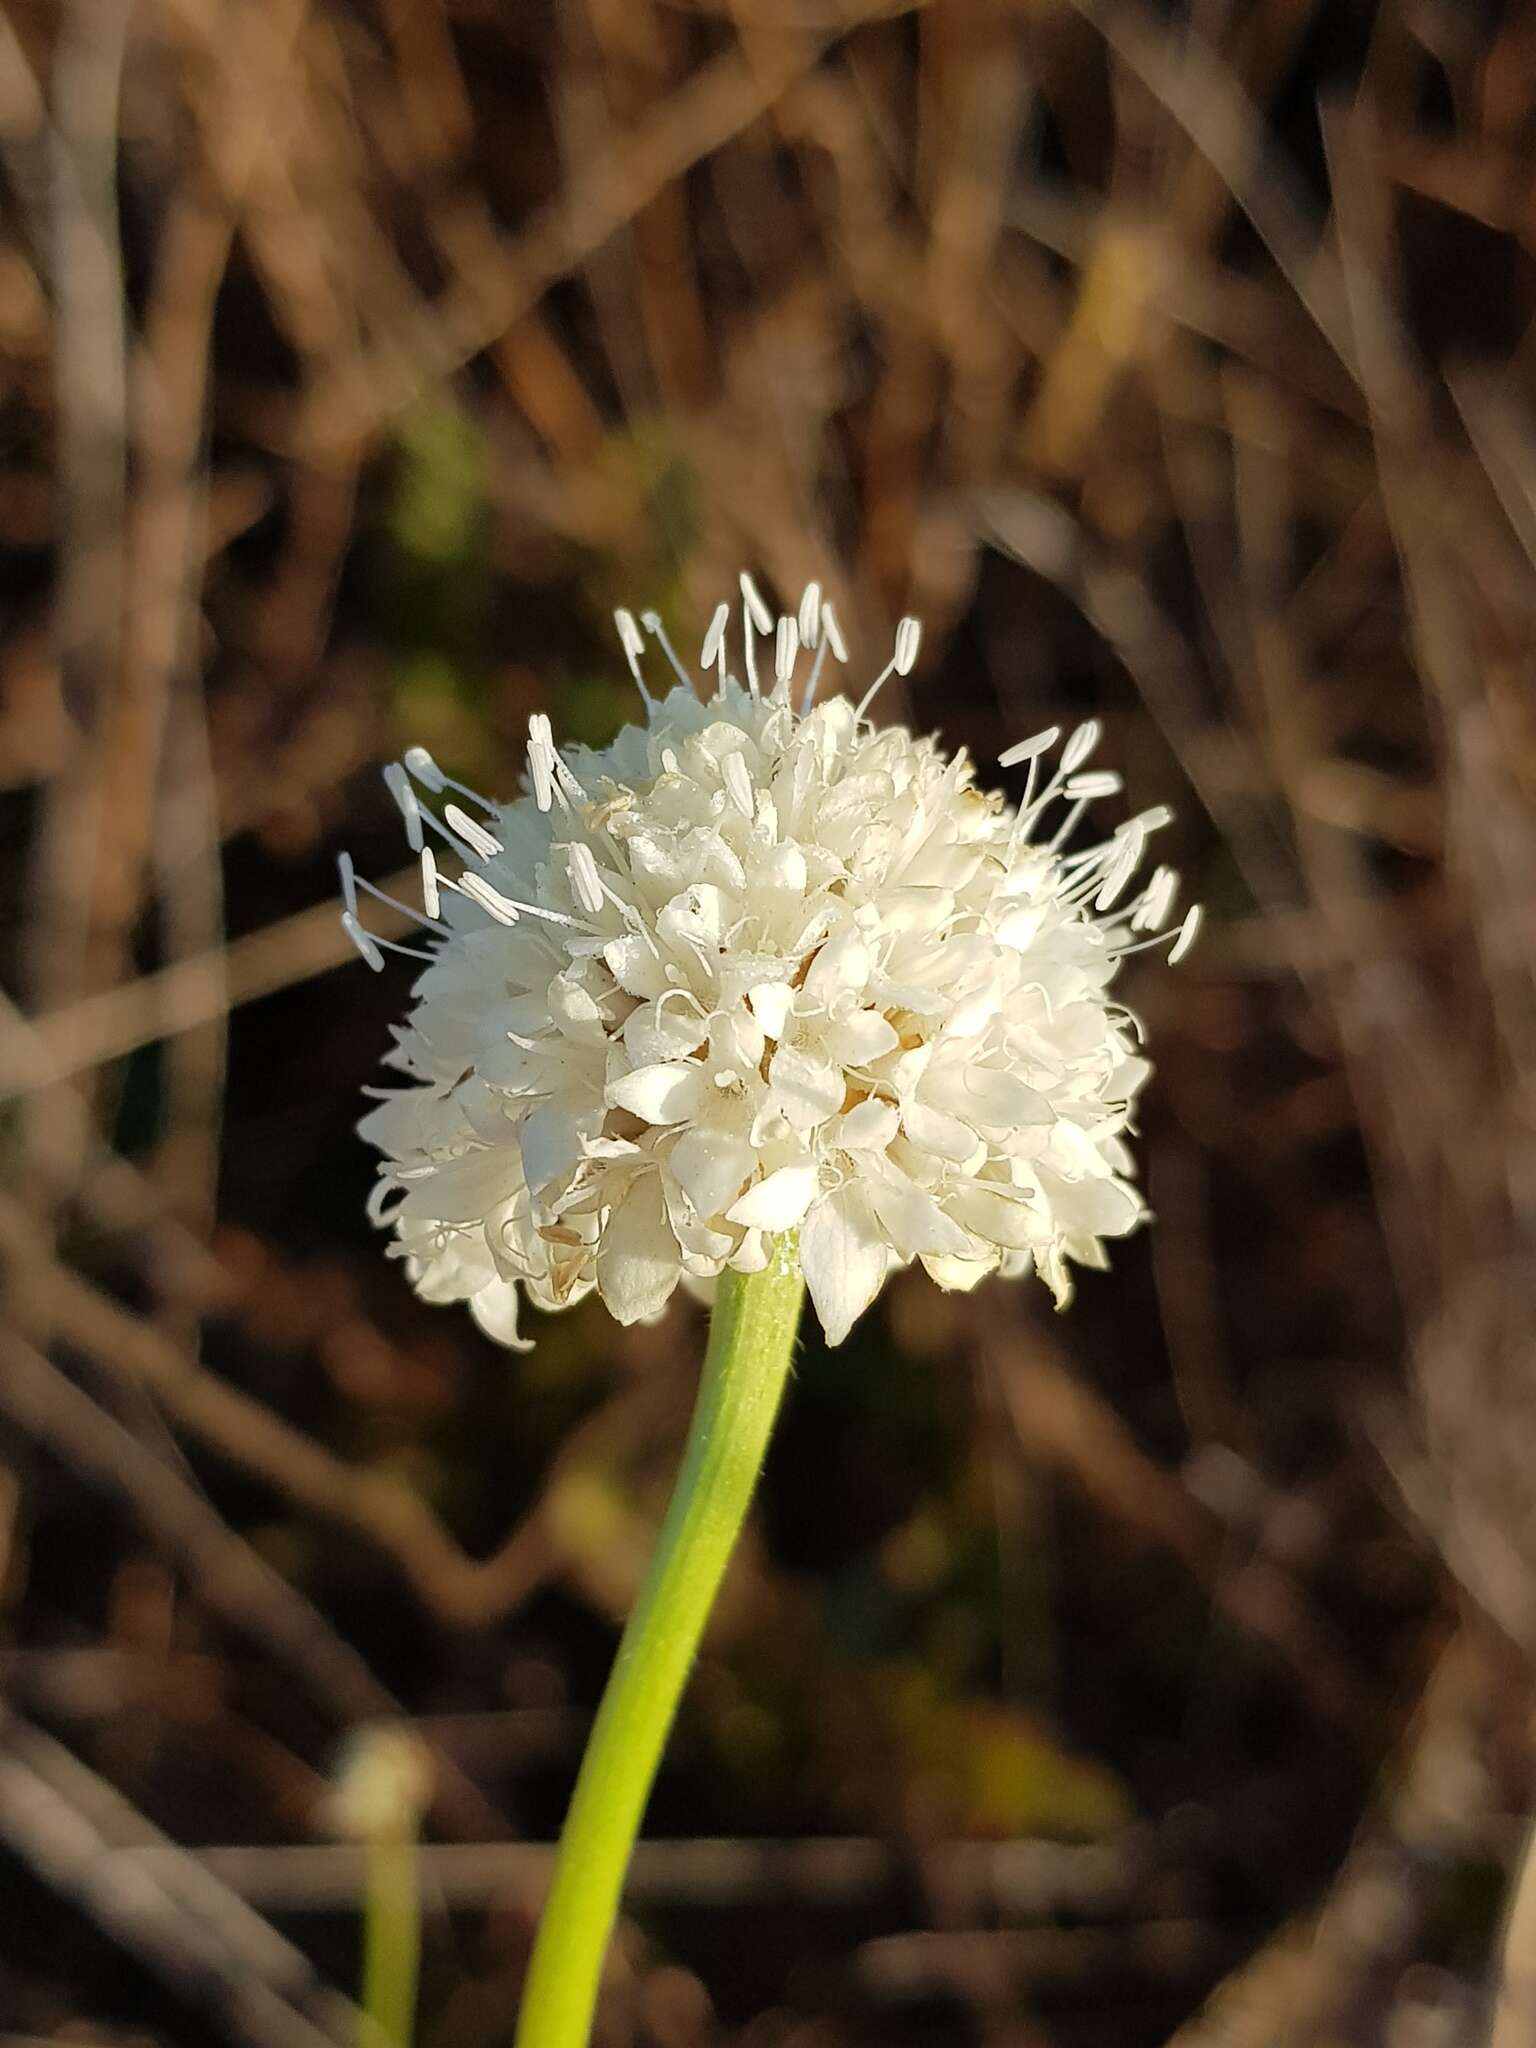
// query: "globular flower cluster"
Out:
[760,966]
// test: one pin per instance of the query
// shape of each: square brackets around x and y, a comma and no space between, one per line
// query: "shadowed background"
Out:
[1155,1673]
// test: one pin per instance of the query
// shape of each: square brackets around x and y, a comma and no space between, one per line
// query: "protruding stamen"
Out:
[831,640]
[352,881]
[1123,863]
[909,637]
[485,844]
[398,783]
[1096,783]
[585,881]
[752,598]
[431,895]
[1189,931]
[508,909]
[632,640]
[810,615]
[753,613]
[714,639]
[490,900]
[1029,750]
[365,943]
[786,647]
[653,625]
[426,771]
[1157,901]
[1081,745]
[874,689]
[541,760]
[1068,825]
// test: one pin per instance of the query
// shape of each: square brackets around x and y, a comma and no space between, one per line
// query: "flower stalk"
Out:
[746,1367]
[391,1939]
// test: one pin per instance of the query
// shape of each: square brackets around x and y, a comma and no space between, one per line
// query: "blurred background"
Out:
[1157,1673]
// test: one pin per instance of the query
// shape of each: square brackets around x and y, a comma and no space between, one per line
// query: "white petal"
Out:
[870,1126]
[699,916]
[494,1307]
[771,1003]
[781,867]
[464,1190]
[863,1037]
[710,1166]
[842,966]
[844,1259]
[638,1262]
[805,1088]
[914,1222]
[736,1041]
[985,1095]
[997,1217]
[663,1094]
[575,1011]
[957,1276]
[931,1130]
[662,1031]
[549,1139]
[751,1255]
[1102,1208]
[778,1202]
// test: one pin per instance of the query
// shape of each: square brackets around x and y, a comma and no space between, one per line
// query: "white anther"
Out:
[348,877]
[752,601]
[431,895]
[631,639]
[653,625]
[541,760]
[810,614]
[714,639]
[1096,783]
[1122,865]
[425,769]
[1156,900]
[363,942]
[490,900]
[909,637]
[1029,750]
[786,645]
[584,877]
[834,634]
[1081,745]
[1188,932]
[485,845]
[398,784]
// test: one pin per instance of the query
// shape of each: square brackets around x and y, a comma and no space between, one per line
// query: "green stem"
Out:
[391,1939]
[751,1337]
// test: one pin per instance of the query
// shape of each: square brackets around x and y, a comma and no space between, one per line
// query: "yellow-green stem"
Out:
[751,1338]
[391,1939]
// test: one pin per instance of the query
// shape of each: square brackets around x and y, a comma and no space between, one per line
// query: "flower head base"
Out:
[759,966]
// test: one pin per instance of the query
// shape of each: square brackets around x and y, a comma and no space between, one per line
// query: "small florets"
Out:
[755,967]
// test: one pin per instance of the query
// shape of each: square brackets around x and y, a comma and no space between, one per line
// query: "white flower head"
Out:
[760,966]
